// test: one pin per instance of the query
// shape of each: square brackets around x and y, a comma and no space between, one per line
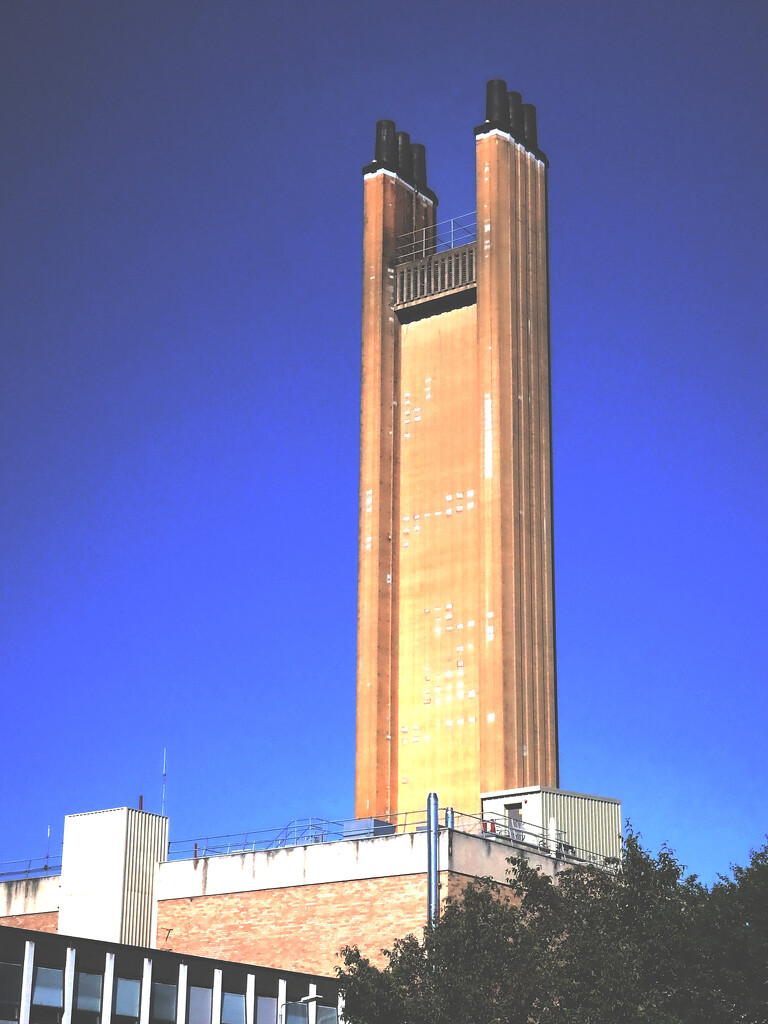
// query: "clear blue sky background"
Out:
[179,315]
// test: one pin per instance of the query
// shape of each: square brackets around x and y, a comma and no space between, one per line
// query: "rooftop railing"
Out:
[448,234]
[310,831]
[31,867]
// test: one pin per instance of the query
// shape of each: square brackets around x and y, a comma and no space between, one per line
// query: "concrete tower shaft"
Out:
[456,649]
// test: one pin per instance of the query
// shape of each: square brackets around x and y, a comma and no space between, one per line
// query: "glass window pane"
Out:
[266,1010]
[49,987]
[233,1008]
[10,983]
[200,1000]
[88,992]
[327,1015]
[127,996]
[163,1001]
[296,1013]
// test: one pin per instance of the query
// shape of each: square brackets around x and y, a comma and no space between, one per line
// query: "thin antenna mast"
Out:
[162,802]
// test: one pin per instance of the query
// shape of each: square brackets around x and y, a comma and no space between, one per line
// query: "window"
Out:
[327,1015]
[233,1008]
[88,992]
[127,997]
[10,991]
[48,987]
[163,1006]
[200,1000]
[296,1013]
[266,1010]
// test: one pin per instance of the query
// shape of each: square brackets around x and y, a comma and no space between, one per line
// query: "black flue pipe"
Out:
[404,156]
[496,104]
[529,126]
[419,159]
[515,104]
[386,143]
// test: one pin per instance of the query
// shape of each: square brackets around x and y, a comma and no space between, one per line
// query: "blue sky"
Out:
[179,318]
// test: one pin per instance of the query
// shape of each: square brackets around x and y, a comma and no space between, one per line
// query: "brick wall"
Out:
[47,922]
[300,928]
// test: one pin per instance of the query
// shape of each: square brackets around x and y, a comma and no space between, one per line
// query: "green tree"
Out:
[637,944]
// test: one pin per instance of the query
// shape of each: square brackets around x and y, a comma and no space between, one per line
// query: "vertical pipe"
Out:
[450,818]
[433,906]
[386,143]
[515,101]
[496,104]
[552,836]
[529,126]
[404,156]
[419,158]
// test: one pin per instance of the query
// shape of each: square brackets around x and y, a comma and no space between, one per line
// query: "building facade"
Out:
[456,688]
[290,899]
[62,979]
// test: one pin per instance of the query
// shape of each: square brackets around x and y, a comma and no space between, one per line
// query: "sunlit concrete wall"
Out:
[441,620]
[298,907]
[31,903]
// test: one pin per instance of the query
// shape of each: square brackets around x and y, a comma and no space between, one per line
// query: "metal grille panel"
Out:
[435,274]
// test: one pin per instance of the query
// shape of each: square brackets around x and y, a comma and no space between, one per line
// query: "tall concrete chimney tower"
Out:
[456,689]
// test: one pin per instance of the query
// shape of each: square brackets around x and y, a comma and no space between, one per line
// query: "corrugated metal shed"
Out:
[580,824]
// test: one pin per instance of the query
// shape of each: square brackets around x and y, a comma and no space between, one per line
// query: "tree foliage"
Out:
[635,945]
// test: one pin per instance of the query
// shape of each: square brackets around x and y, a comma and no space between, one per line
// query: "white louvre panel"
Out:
[592,824]
[145,846]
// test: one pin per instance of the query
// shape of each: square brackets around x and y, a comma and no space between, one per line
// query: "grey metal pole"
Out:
[433,868]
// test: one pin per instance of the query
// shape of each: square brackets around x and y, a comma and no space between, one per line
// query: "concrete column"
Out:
[216,997]
[518,694]
[181,1000]
[250,999]
[27,977]
[146,991]
[69,985]
[312,1004]
[108,988]
[282,994]
[391,209]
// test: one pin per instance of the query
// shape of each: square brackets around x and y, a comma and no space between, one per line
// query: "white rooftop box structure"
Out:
[108,868]
[578,824]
